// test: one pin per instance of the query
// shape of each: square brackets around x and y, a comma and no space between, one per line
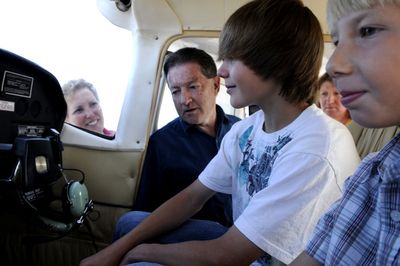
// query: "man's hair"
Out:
[324,78]
[339,8]
[74,85]
[279,39]
[192,55]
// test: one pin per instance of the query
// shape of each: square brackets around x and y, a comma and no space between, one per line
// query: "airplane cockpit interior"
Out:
[33,184]
[65,184]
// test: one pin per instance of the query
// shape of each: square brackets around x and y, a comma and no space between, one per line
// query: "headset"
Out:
[75,203]
[75,198]
[38,168]
[32,113]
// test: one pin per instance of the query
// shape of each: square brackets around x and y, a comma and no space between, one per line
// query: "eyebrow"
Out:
[362,14]
[354,20]
[191,82]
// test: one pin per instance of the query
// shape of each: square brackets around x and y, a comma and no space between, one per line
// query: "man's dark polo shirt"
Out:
[176,155]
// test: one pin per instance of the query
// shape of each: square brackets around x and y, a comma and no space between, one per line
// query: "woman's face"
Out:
[84,111]
[330,101]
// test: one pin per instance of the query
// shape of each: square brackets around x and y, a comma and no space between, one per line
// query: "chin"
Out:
[191,120]
[94,129]
[368,120]
[100,130]
[237,105]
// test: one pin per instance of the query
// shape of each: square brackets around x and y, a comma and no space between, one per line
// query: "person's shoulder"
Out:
[108,133]
[248,124]
[226,118]
[232,119]
[166,131]
[321,133]
[316,120]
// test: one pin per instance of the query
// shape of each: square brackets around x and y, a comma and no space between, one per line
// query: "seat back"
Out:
[369,140]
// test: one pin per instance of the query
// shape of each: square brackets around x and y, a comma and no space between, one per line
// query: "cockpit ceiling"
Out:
[193,15]
[211,14]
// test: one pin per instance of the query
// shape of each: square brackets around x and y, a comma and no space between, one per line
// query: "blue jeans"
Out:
[190,230]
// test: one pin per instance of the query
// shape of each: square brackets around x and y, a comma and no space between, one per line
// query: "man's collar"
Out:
[186,125]
[220,119]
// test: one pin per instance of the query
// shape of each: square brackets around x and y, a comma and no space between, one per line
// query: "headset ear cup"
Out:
[75,198]
[66,203]
[78,198]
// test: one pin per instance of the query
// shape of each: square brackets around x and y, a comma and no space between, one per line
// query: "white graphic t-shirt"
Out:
[282,182]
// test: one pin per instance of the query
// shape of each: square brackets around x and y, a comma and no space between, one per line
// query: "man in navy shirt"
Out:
[178,152]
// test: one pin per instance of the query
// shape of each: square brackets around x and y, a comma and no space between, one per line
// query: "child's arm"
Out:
[304,259]
[233,248]
[168,216]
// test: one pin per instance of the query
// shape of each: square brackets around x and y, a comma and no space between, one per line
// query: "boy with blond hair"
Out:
[362,228]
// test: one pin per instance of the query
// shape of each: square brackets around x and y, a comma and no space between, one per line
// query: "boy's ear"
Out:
[217,82]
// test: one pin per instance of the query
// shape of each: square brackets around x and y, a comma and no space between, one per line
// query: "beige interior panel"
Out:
[211,14]
[318,7]
[111,176]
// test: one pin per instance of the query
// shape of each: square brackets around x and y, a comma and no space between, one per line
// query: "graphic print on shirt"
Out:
[245,145]
[257,162]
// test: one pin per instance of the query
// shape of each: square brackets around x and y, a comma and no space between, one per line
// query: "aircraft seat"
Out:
[369,140]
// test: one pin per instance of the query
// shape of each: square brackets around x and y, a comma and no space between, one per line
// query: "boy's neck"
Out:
[281,115]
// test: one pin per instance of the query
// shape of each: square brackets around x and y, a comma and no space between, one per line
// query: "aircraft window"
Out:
[328,50]
[72,40]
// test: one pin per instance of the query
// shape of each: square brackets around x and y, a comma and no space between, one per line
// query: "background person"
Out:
[330,100]
[367,140]
[84,108]
[178,152]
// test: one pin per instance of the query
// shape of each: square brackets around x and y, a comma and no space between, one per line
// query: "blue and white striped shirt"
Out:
[363,227]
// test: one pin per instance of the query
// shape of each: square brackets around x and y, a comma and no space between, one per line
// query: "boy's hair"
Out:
[279,39]
[338,8]
[192,55]
[74,85]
